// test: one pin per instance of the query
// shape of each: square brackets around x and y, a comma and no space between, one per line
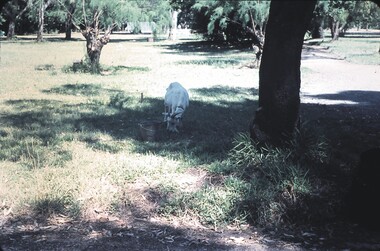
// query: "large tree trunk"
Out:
[94,43]
[94,46]
[41,18]
[11,29]
[317,28]
[69,20]
[13,11]
[335,30]
[68,26]
[173,25]
[279,84]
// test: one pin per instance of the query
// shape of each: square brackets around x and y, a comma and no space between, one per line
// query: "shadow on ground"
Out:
[211,121]
[117,235]
[206,134]
[205,47]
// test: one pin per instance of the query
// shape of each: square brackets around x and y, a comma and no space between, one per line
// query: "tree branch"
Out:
[84,13]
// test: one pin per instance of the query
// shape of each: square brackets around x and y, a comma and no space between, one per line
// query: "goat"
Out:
[176,102]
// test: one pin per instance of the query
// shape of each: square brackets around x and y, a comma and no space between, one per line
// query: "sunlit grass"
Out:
[64,127]
[70,141]
[357,50]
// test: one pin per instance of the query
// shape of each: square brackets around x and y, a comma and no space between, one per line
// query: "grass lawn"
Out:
[357,50]
[70,142]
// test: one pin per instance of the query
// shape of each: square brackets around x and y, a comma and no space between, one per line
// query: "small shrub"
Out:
[120,101]
[45,67]
[58,203]
[279,177]
[83,66]
[213,204]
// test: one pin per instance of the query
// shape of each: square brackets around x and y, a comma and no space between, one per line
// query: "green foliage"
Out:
[59,200]
[365,13]
[347,13]
[263,184]
[213,204]
[278,177]
[83,66]
[231,17]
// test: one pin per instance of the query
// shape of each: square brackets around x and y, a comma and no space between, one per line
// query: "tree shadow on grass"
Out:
[204,47]
[80,89]
[47,38]
[362,98]
[351,122]
[212,119]
[116,235]
[206,134]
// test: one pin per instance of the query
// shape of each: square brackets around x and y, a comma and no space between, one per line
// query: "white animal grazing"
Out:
[176,102]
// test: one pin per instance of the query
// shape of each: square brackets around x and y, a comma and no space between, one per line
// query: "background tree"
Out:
[12,11]
[366,14]
[233,21]
[317,24]
[70,7]
[279,83]
[95,17]
[186,14]
[2,4]
[42,5]
[338,14]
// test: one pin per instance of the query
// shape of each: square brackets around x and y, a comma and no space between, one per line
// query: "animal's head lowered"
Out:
[174,120]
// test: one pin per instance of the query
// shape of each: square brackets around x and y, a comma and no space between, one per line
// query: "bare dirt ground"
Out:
[335,87]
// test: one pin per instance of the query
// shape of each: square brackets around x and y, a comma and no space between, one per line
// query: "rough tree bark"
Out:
[94,43]
[279,84]
[335,29]
[13,12]
[69,20]
[173,24]
[41,18]
[11,29]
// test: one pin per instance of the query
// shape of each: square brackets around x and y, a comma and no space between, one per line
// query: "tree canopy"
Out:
[216,19]
[56,13]
[230,19]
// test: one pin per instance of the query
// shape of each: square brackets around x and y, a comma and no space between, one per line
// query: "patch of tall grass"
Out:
[261,184]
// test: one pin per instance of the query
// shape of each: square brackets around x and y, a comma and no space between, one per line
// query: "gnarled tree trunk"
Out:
[279,84]
[94,46]
[94,43]
[11,29]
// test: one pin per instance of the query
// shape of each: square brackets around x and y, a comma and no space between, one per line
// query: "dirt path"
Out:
[332,76]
